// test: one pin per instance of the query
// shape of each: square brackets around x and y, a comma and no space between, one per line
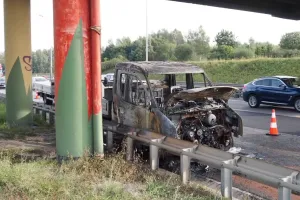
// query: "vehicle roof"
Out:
[285,77]
[278,77]
[159,67]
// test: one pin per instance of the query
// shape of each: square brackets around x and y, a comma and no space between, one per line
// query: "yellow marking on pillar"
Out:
[18,38]
[18,62]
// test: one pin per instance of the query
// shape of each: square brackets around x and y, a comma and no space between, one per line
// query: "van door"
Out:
[133,100]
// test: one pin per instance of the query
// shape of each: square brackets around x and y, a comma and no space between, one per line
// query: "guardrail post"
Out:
[109,140]
[51,118]
[226,180]
[185,165]
[154,158]
[129,149]
[44,115]
[285,193]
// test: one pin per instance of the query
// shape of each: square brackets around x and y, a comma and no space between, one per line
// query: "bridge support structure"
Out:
[17,31]
[77,78]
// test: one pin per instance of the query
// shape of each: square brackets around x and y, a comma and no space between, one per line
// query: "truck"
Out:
[164,97]
[174,99]
[44,88]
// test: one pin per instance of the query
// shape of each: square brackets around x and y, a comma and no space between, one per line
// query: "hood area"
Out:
[216,92]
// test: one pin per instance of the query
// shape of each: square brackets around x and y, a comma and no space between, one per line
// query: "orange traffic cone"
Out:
[37,95]
[273,125]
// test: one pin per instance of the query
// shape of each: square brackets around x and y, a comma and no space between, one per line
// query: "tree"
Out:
[251,43]
[2,59]
[138,50]
[124,47]
[264,49]
[243,52]
[222,52]
[199,41]
[177,37]
[163,50]
[41,61]
[226,38]
[290,41]
[183,52]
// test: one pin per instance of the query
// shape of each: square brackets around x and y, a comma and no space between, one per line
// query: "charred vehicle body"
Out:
[172,105]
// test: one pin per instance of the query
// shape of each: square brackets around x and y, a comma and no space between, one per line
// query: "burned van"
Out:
[174,99]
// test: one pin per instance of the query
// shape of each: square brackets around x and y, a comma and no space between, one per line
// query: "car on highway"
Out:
[39,79]
[272,90]
[108,79]
[2,82]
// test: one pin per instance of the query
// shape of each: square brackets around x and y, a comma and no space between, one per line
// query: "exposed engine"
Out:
[206,122]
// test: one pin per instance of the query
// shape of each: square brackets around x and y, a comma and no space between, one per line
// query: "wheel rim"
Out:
[297,105]
[252,101]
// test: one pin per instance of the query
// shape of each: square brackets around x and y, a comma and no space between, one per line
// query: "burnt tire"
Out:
[47,101]
[226,147]
[253,101]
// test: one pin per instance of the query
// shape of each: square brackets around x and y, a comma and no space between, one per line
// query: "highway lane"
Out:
[39,100]
[281,150]
[288,120]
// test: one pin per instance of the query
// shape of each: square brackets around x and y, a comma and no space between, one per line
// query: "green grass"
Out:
[241,71]
[90,178]
[111,178]
[16,132]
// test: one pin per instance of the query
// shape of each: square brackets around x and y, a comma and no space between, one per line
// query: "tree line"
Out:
[195,46]
[174,46]
[40,61]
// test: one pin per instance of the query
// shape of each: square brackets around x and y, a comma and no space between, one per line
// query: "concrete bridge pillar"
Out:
[77,70]
[18,62]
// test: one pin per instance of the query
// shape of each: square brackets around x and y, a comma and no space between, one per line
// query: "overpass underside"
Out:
[289,9]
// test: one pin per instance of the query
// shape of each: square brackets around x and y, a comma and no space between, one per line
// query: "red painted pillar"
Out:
[96,77]
[73,91]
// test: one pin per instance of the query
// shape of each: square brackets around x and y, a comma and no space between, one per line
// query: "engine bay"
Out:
[206,121]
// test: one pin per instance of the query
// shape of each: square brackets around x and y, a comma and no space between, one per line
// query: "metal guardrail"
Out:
[285,179]
[47,112]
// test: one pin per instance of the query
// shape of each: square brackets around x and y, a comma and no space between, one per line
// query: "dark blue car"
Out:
[274,90]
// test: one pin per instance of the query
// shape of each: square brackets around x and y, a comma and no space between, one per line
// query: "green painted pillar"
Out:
[72,78]
[18,62]
[96,78]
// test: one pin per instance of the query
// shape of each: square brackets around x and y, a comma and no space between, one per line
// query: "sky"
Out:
[127,18]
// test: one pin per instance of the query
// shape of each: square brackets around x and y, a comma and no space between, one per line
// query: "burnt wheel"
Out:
[47,101]
[227,143]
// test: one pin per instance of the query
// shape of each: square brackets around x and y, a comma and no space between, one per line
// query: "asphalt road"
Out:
[288,120]
[280,150]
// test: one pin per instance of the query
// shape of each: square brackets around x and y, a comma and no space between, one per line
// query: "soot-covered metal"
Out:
[200,115]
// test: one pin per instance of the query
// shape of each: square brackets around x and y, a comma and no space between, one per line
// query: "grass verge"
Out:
[112,178]
[40,126]
[236,71]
